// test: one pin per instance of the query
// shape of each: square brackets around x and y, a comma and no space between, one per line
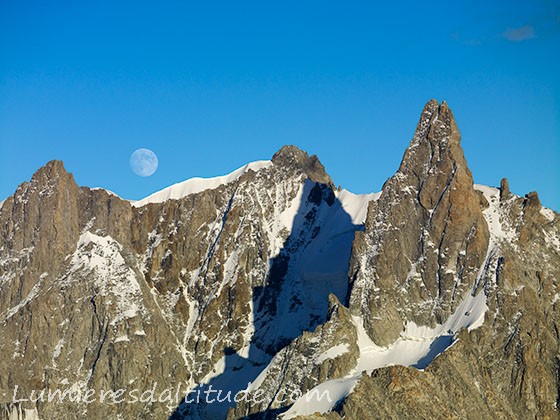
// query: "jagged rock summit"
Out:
[292,156]
[435,298]
[427,232]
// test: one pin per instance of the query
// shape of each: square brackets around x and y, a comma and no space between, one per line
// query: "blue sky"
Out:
[209,87]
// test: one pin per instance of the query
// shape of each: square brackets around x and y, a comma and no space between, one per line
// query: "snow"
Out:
[196,185]
[122,338]
[2,203]
[30,296]
[101,256]
[248,332]
[319,264]
[321,399]
[193,315]
[332,353]
[548,213]
[232,373]
[259,380]
[498,231]
[417,346]
[552,240]
[287,217]
[356,205]
[130,311]
[58,348]
[154,240]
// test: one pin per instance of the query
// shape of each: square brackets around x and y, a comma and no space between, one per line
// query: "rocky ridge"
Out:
[274,283]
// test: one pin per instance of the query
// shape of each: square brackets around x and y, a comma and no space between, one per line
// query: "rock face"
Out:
[508,367]
[272,285]
[425,238]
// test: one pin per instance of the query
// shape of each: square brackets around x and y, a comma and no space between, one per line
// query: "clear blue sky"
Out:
[210,86]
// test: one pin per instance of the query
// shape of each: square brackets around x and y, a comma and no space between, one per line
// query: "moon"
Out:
[143,162]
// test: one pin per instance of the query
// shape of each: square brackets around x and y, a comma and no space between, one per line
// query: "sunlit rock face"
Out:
[435,297]
[425,238]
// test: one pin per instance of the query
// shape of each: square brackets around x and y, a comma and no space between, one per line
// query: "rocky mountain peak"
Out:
[437,122]
[267,282]
[51,171]
[532,200]
[436,143]
[45,207]
[437,220]
[293,157]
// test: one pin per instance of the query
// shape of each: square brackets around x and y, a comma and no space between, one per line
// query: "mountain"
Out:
[435,298]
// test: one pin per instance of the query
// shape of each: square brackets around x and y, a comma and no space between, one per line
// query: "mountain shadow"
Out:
[312,263]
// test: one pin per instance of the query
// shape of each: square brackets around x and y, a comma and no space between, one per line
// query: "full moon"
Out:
[143,162]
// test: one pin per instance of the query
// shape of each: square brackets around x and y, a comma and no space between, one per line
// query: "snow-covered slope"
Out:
[356,205]
[100,256]
[196,185]
[494,217]
[417,347]
[317,256]
[311,236]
